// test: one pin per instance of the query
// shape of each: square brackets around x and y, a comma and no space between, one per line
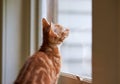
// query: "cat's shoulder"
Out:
[36,58]
[38,55]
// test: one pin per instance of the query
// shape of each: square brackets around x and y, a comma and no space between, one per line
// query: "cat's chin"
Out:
[59,43]
[59,46]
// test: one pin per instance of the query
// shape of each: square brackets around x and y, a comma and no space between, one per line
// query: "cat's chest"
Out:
[51,59]
[55,62]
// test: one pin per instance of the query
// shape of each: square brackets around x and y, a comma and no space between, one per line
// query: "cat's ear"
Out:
[45,23]
[52,26]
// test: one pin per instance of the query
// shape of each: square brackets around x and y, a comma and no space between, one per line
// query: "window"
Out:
[20,33]
[76,50]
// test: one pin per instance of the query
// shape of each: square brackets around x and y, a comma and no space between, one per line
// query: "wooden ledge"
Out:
[66,78]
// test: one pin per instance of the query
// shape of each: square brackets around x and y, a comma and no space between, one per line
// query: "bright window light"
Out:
[76,50]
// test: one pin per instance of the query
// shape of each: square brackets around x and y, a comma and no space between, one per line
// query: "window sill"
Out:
[66,78]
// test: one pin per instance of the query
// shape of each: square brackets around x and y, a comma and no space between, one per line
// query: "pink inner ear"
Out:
[52,26]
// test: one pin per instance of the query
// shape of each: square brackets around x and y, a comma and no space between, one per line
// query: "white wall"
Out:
[15,37]
[0,41]
[21,35]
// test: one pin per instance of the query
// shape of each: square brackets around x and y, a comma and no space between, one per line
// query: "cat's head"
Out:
[54,33]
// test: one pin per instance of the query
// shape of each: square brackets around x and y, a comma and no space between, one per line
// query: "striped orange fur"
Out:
[43,67]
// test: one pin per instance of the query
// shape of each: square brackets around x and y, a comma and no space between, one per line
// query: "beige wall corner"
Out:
[119,40]
[105,42]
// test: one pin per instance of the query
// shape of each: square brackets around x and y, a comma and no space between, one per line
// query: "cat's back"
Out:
[35,68]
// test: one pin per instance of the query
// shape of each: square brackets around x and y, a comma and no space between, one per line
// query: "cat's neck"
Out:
[50,48]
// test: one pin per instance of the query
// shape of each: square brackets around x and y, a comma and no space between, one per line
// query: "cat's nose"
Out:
[67,30]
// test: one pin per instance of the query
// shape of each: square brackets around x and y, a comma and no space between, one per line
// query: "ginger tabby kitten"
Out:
[43,67]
